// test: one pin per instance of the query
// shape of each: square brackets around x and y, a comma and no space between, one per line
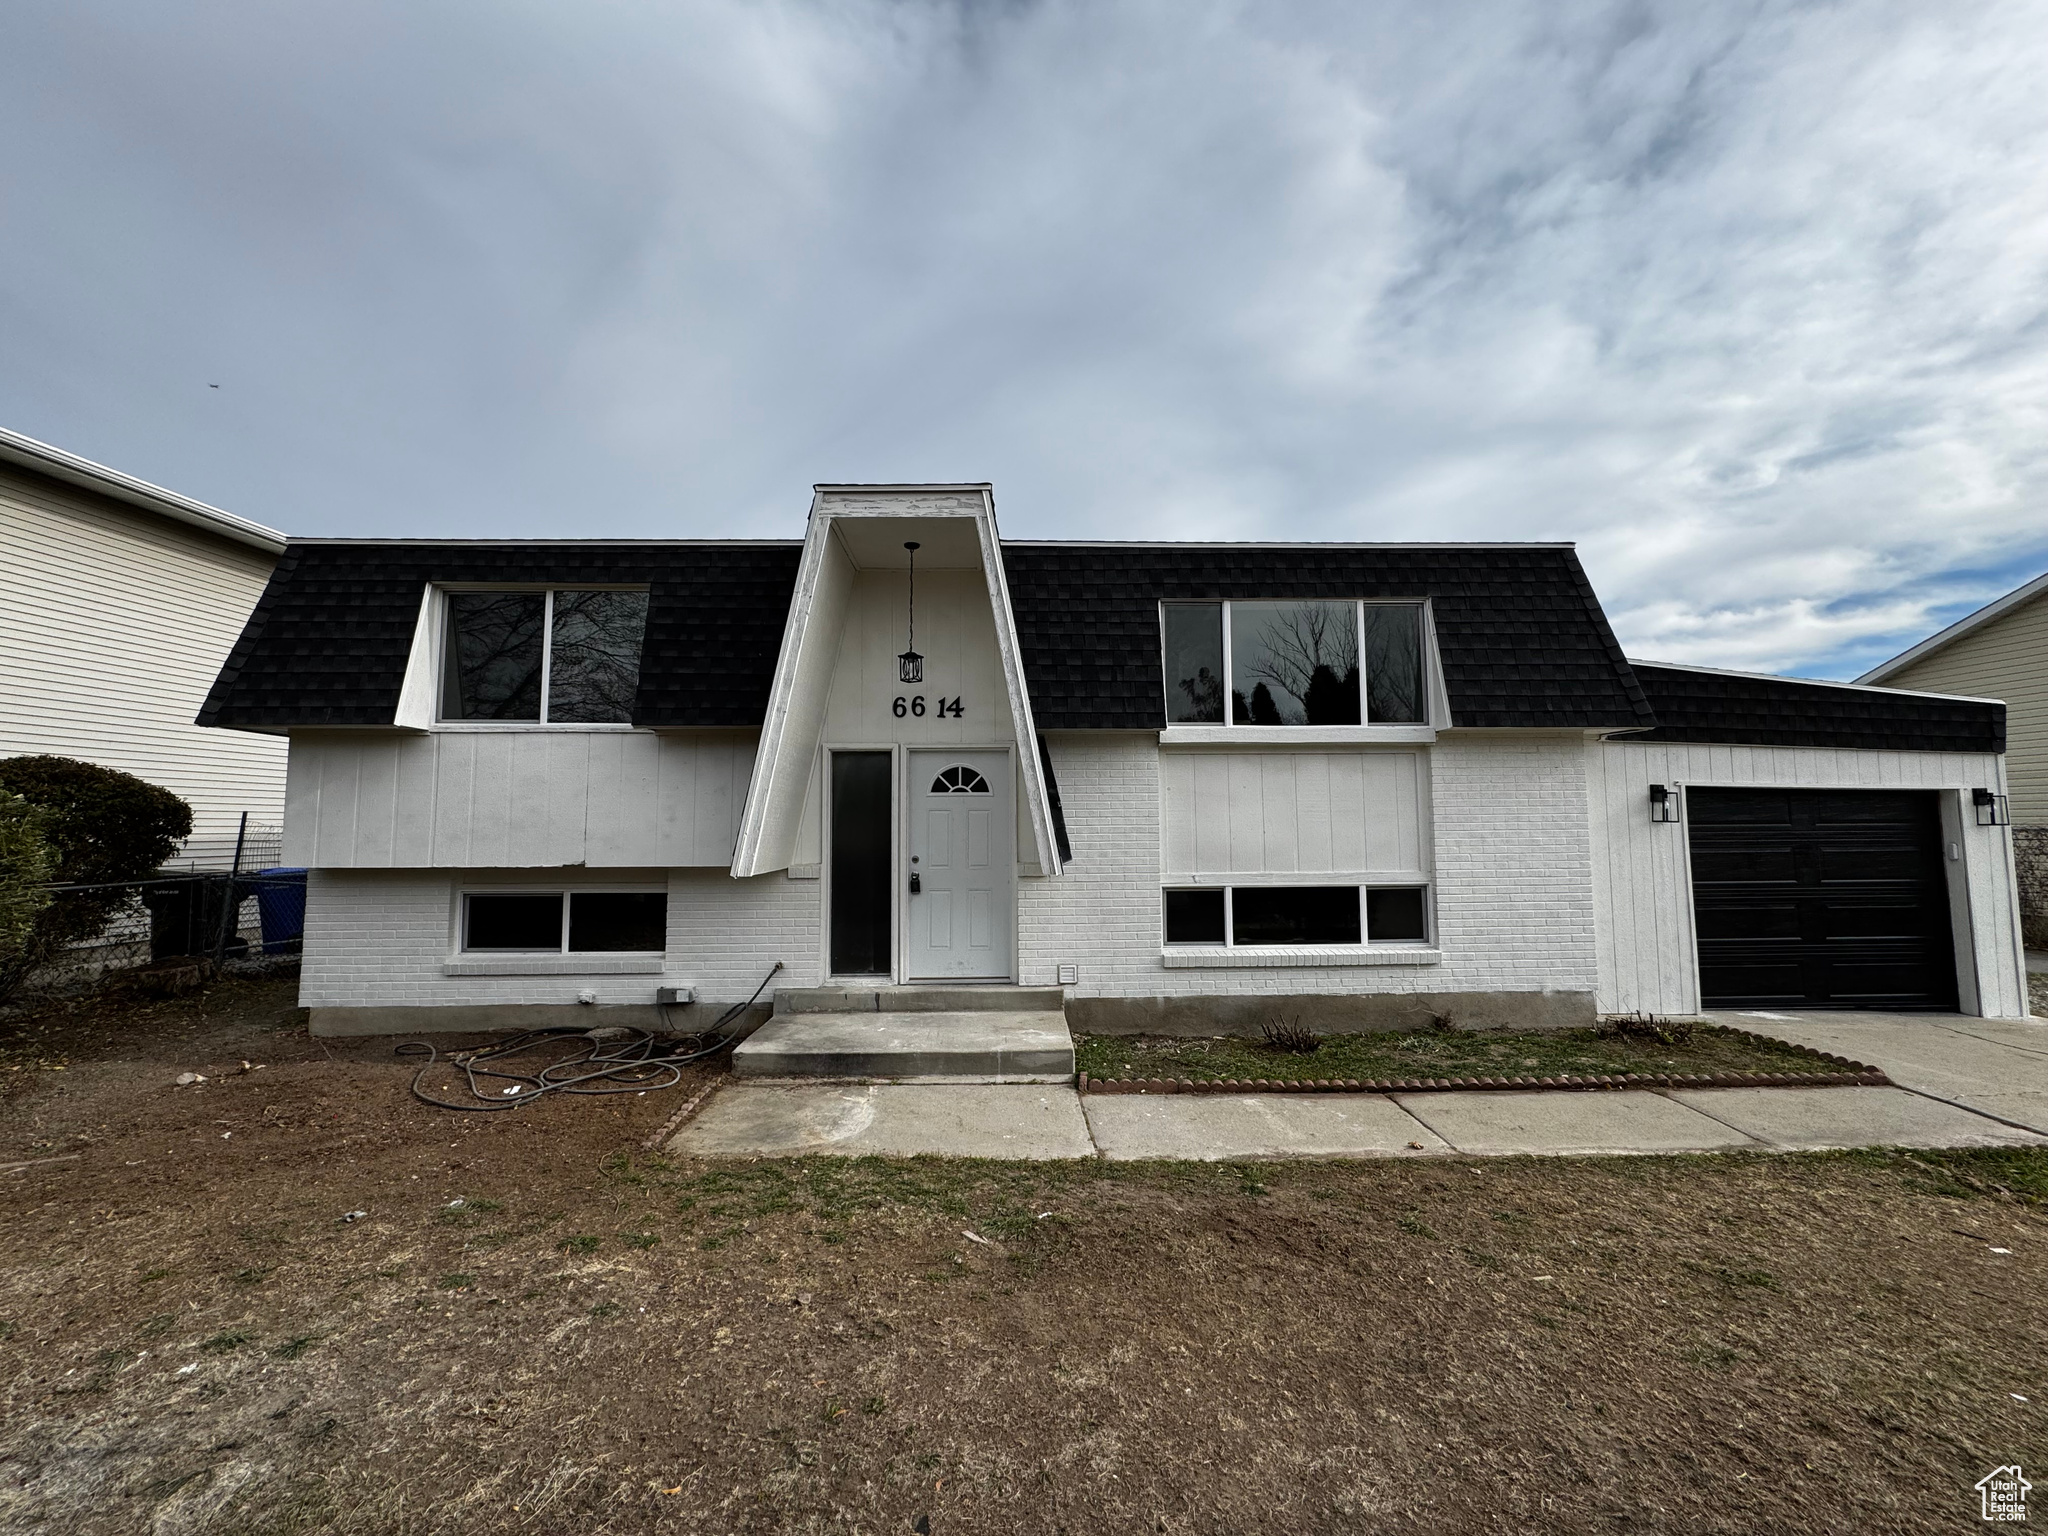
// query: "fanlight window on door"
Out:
[960,780]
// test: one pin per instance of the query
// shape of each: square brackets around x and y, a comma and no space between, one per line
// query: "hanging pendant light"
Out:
[910,665]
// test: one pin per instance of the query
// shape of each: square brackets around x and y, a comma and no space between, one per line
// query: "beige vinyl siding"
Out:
[113,625]
[2005,659]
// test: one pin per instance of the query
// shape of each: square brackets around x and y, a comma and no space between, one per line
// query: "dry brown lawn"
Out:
[596,1340]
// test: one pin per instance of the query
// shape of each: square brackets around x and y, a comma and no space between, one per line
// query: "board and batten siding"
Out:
[1275,811]
[1642,873]
[2005,659]
[956,634]
[113,625]
[515,798]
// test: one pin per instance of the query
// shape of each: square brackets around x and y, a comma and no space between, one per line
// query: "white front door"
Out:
[963,866]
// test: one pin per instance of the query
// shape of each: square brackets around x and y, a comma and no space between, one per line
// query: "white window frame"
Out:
[1364,928]
[420,702]
[1424,730]
[1252,957]
[562,950]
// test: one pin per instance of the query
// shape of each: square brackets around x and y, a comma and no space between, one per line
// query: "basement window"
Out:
[564,656]
[1293,662]
[565,922]
[1274,916]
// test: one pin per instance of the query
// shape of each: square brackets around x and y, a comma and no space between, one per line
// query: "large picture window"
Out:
[560,657]
[565,922]
[1303,662]
[1255,916]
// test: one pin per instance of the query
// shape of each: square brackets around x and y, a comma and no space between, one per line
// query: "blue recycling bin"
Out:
[281,903]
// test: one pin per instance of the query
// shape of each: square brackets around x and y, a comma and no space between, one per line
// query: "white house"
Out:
[1188,784]
[121,600]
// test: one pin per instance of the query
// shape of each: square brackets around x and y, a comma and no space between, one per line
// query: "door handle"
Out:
[916,888]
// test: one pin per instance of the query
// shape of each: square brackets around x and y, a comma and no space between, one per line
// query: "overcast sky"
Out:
[1747,299]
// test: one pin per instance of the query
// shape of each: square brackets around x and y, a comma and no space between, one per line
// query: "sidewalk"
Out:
[1997,1067]
[756,1119]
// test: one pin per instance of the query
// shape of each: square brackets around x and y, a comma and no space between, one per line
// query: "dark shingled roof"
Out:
[1522,637]
[328,641]
[1737,707]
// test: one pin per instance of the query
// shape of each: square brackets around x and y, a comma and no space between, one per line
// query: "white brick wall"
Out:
[1514,900]
[1514,874]
[1514,878]
[1104,915]
[377,938]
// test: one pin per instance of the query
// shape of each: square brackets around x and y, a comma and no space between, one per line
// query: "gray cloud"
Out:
[1746,299]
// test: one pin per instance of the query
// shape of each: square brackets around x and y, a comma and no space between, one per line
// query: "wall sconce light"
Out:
[910,665]
[1663,804]
[1991,811]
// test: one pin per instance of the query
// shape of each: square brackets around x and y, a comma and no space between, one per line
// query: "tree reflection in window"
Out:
[1194,663]
[1294,663]
[500,645]
[1393,664]
[594,661]
[493,655]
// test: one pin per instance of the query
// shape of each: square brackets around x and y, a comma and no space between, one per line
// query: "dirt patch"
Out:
[1443,1053]
[535,1328]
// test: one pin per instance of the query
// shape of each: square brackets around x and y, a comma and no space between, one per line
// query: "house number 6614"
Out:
[914,705]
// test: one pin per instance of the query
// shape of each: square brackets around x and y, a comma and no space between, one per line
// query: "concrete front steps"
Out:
[936,1034]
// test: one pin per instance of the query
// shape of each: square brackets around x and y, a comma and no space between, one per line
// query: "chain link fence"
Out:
[220,900]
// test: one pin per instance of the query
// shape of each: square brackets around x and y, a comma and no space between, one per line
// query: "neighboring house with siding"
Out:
[2001,652]
[1190,785]
[120,601]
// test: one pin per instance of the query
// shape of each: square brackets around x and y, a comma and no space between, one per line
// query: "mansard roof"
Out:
[327,643]
[1710,704]
[1521,635]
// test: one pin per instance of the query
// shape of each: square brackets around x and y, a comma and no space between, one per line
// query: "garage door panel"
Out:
[1864,807]
[1905,923]
[1902,999]
[1722,865]
[1742,808]
[1820,899]
[1894,863]
[1780,921]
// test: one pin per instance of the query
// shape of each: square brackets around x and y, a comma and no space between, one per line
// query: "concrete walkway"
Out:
[1207,1128]
[1994,1066]
[756,1118]
[1963,1082]
[752,1118]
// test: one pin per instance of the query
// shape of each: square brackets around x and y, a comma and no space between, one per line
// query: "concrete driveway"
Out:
[1997,1067]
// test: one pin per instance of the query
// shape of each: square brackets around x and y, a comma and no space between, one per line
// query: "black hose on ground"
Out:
[617,1059]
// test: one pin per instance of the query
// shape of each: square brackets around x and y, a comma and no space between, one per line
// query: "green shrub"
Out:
[98,825]
[26,864]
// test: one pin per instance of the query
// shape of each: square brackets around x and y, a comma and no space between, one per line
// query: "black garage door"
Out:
[1820,898]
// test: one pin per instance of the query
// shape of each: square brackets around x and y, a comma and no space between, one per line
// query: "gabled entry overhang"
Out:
[864,527]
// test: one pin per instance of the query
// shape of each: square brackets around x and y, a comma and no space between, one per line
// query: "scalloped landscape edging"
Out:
[1863,1077]
[676,1121]
[1850,1074]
